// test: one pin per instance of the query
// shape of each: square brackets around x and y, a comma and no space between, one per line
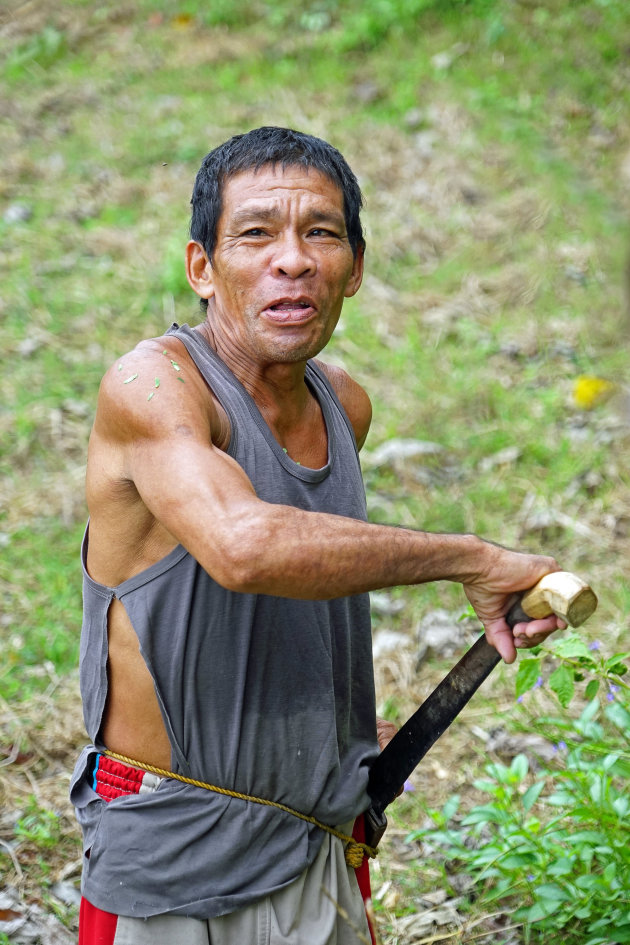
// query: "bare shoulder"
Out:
[152,390]
[353,398]
[154,412]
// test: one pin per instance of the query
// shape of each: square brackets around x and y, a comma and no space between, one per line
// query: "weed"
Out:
[554,842]
[42,50]
[38,825]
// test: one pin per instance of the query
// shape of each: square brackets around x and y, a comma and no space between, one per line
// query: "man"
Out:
[226,636]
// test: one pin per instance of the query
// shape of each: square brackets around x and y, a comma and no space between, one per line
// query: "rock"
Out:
[441,633]
[505,457]
[367,91]
[17,213]
[414,118]
[444,60]
[66,892]
[400,449]
[30,925]
[508,745]
[388,641]
[28,346]
[381,603]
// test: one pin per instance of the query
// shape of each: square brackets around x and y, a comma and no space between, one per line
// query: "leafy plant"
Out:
[557,843]
[38,825]
[43,50]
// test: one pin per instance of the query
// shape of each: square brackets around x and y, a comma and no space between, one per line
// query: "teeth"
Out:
[289,306]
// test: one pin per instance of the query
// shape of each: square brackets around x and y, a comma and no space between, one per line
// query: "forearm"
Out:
[307,555]
[287,552]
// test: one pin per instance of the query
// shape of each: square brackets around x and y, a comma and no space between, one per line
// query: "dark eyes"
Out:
[317,231]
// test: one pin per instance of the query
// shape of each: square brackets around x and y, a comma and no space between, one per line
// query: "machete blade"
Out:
[558,592]
[410,744]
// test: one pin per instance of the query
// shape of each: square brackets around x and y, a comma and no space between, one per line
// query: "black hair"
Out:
[254,150]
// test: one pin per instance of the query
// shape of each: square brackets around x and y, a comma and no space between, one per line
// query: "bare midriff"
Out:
[133,724]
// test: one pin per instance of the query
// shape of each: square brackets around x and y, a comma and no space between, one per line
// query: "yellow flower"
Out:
[590,391]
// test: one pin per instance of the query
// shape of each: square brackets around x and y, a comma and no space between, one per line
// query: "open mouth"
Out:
[290,310]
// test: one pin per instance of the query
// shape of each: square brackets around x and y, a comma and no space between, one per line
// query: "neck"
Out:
[277,388]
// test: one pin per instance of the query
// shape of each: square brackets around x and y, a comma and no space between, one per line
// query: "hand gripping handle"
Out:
[559,592]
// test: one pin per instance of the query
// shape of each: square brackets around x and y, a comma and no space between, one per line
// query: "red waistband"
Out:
[114,779]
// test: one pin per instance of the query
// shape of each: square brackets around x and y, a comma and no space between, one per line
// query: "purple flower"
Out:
[520,699]
[612,689]
[408,786]
[561,746]
[538,683]
[595,645]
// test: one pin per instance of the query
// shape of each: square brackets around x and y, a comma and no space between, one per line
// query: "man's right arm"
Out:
[205,501]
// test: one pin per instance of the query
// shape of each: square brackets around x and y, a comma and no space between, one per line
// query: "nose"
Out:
[292,257]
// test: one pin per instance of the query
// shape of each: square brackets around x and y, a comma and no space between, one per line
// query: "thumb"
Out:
[499,635]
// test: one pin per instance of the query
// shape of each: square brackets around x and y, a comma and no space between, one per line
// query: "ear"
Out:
[199,270]
[356,276]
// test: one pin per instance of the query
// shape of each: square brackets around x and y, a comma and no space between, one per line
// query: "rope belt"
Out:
[354,851]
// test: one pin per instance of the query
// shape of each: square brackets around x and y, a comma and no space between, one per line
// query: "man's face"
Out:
[282,264]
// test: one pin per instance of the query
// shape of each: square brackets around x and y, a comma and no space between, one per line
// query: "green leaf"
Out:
[532,794]
[615,659]
[588,882]
[514,861]
[485,815]
[520,766]
[590,711]
[591,689]
[528,673]
[610,872]
[561,682]
[552,891]
[621,933]
[610,761]
[450,808]
[583,837]
[542,909]
[619,716]
[562,867]
[571,647]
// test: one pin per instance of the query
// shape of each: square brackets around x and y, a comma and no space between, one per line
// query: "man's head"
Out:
[270,146]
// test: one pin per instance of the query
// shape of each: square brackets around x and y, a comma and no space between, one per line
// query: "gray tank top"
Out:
[259,694]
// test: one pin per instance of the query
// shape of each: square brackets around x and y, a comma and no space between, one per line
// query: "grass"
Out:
[491,140]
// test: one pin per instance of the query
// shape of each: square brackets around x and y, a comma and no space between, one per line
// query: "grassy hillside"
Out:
[492,142]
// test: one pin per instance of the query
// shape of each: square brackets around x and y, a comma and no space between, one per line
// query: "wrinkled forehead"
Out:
[274,182]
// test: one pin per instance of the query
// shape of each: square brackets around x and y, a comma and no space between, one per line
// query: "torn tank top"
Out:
[259,694]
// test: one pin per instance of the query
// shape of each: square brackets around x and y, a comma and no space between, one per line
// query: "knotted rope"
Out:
[353,852]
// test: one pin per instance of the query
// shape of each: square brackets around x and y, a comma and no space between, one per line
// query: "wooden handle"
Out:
[560,593]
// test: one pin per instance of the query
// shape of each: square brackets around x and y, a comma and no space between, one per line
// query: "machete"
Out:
[561,593]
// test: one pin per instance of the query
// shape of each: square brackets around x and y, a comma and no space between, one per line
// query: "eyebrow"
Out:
[273,214]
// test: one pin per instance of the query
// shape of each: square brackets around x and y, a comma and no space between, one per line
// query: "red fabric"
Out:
[114,779]
[363,872]
[95,926]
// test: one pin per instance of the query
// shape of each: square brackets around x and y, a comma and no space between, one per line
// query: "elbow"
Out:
[242,558]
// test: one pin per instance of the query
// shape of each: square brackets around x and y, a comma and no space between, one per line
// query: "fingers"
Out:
[385,731]
[536,632]
[523,636]
[500,636]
